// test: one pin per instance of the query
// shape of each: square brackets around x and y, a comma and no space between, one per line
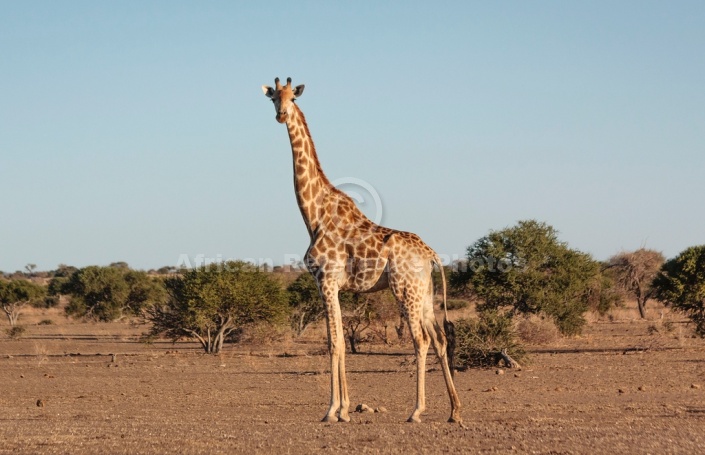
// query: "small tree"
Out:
[681,284]
[211,302]
[528,270]
[30,268]
[635,271]
[357,314]
[14,295]
[605,293]
[385,314]
[305,303]
[362,312]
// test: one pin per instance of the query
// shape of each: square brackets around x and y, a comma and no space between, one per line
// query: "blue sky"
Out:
[138,132]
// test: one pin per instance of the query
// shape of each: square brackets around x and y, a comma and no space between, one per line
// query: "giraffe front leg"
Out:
[344,399]
[339,402]
[421,343]
[334,388]
[334,347]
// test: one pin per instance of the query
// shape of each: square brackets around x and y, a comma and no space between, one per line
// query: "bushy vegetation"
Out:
[15,294]
[526,269]
[605,293]
[108,293]
[305,303]
[681,284]
[369,313]
[481,341]
[361,313]
[527,283]
[209,303]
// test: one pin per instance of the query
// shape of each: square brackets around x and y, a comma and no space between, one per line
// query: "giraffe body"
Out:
[350,252]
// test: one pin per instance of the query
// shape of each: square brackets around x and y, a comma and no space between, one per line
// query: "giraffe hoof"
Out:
[343,417]
[329,419]
[414,419]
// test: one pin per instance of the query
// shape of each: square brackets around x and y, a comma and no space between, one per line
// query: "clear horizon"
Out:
[138,131]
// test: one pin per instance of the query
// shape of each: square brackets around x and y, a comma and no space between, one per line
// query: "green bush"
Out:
[214,302]
[527,270]
[109,293]
[305,303]
[15,294]
[480,341]
[681,284]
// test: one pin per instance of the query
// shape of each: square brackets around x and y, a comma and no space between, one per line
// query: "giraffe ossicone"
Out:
[350,252]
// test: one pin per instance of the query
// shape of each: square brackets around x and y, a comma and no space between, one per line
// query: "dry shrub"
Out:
[16,332]
[480,341]
[457,304]
[537,329]
[262,334]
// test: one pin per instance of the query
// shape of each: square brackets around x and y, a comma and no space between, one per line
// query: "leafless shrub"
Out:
[635,271]
[537,329]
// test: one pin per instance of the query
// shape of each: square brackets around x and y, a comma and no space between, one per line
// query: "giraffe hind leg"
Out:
[439,342]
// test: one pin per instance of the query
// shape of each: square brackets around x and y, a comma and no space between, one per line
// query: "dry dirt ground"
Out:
[624,386]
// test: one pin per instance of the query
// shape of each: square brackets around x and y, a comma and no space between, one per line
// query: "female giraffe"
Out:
[350,252]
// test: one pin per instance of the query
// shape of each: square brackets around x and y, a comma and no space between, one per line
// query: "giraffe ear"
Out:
[268,91]
[299,90]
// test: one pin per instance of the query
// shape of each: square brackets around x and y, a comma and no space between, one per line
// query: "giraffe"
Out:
[350,252]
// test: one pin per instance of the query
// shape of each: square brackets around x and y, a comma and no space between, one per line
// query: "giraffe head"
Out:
[283,97]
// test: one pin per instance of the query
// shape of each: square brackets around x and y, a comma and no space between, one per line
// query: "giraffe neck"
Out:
[310,183]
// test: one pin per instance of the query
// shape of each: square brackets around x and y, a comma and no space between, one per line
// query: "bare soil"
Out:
[624,386]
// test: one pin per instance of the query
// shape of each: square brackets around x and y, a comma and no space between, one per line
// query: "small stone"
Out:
[491,389]
[363,408]
[22,376]
[499,372]
[641,388]
[381,409]
[559,389]
[40,403]
[517,375]
[621,391]
[694,386]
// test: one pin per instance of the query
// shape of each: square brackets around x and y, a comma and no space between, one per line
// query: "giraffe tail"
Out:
[448,326]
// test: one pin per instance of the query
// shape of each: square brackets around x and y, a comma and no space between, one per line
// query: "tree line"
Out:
[520,270]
